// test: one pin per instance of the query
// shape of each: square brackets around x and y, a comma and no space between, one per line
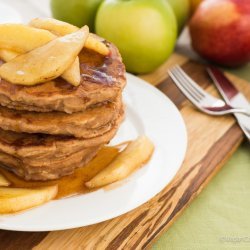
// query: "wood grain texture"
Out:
[211,142]
[11,240]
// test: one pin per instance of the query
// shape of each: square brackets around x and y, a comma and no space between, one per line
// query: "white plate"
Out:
[148,112]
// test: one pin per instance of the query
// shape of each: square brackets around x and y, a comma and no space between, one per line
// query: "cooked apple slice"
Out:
[131,158]
[36,38]
[17,199]
[72,74]
[60,28]
[7,55]
[46,62]
[22,38]
[3,181]
[96,45]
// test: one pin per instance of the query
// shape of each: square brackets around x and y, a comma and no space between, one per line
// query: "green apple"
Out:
[77,12]
[145,31]
[182,10]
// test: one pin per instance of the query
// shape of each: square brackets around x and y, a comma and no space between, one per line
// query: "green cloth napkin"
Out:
[219,218]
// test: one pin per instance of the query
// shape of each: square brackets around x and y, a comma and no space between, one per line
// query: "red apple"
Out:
[194,5]
[220,31]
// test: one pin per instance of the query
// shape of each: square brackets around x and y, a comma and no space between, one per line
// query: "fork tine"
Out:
[178,82]
[202,100]
[191,82]
[187,86]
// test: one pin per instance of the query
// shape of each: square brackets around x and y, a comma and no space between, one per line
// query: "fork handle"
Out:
[228,110]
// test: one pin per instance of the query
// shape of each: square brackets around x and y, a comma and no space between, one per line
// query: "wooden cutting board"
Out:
[212,140]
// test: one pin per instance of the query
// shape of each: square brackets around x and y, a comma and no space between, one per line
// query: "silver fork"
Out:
[200,98]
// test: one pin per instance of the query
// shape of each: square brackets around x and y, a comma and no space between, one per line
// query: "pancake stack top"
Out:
[49,130]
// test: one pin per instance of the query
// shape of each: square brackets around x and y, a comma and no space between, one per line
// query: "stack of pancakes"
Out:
[48,130]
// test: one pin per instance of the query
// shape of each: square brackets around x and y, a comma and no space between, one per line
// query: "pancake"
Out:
[47,170]
[93,122]
[48,157]
[43,147]
[102,79]
[50,129]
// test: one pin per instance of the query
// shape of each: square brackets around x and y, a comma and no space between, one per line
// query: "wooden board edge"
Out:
[195,195]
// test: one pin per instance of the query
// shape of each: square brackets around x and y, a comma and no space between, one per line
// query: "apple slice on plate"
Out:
[136,154]
[17,199]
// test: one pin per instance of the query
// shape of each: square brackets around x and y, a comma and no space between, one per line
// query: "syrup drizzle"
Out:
[72,184]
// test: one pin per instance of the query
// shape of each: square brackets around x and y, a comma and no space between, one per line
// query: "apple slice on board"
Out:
[46,62]
[17,199]
[60,28]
